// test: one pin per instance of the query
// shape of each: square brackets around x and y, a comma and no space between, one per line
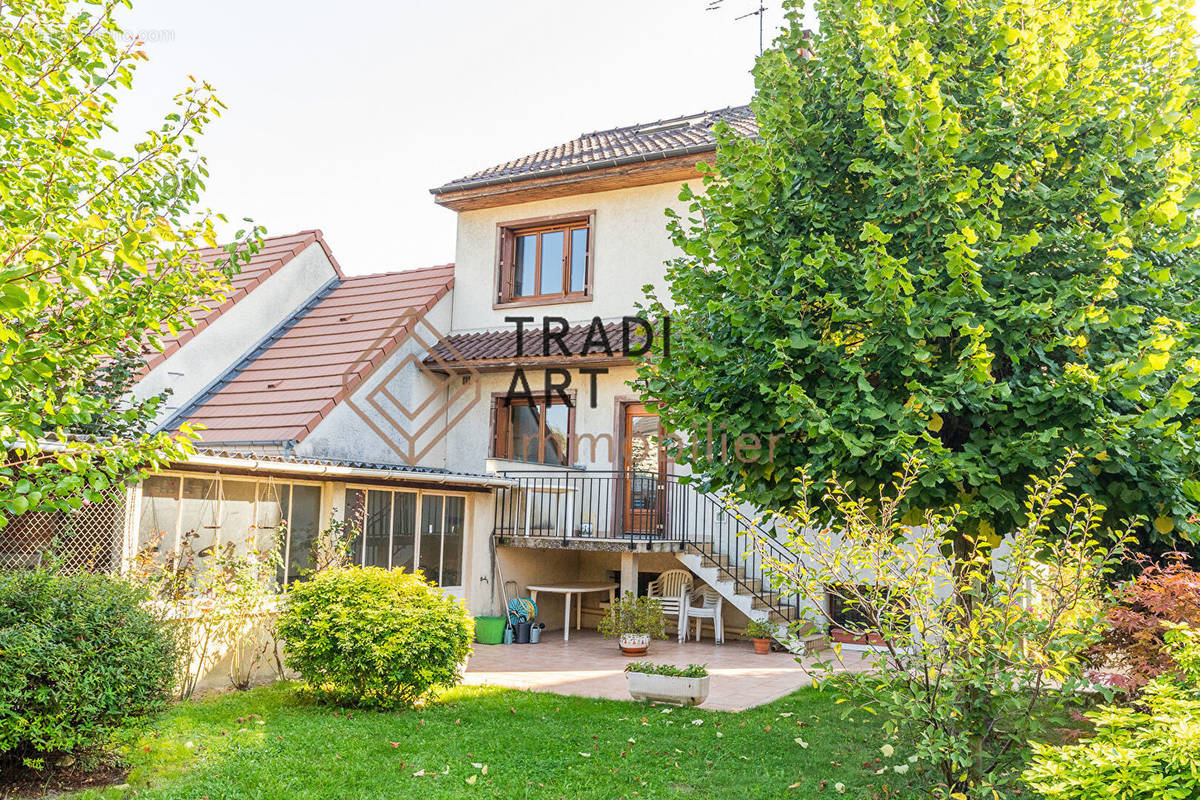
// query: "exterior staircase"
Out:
[587,509]
[726,554]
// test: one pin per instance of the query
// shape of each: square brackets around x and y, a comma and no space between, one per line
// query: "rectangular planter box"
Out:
[667,688]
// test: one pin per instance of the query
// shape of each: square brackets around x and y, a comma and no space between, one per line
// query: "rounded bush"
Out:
[80,655]
[374,637]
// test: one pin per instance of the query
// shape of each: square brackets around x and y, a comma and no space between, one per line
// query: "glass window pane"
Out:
[525,266]
[578,259]
[524,432]
[160,510]
[557,418]
[552,262]
[198,512]
[237,514]
[269,512]
[452,542]
[404,529]
[431,537]
[378,527]
[356,509]
[306,519]
[282,492]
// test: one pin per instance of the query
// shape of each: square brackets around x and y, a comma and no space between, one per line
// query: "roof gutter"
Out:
[617,161]
[334,471]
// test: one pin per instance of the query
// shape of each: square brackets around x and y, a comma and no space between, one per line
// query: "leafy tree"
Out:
[97,253]
[967,227]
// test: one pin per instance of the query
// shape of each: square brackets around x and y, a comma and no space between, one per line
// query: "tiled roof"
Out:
[275,253]
[644,142]
[280,392]
[501,346]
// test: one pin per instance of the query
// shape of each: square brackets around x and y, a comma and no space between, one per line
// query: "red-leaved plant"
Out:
[1164,591]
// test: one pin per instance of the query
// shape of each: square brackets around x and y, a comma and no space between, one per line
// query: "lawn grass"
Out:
[534,745]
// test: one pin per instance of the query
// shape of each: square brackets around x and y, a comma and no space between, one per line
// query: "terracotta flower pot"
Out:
[762,646]
[634,644]
[845,637]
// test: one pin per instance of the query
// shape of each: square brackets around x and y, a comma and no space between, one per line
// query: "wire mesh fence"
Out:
[89,538]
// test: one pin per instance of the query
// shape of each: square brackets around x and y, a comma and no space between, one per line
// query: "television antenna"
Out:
[760,12]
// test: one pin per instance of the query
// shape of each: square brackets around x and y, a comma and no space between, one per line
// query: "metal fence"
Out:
[90,538]
[642,507]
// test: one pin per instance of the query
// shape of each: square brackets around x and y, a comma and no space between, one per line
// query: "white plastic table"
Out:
[578,589]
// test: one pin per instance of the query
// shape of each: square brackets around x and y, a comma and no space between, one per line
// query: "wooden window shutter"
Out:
[499,428]
[507,266]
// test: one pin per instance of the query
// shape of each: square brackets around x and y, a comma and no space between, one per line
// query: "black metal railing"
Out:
[640,507]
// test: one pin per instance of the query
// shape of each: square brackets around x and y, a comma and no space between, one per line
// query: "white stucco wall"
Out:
[630,248]
[344,434]
[231,337]
[468,442]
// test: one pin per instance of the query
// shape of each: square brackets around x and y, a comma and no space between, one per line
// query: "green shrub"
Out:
[374,637]
[1152,754]
[79,656]
[757,629]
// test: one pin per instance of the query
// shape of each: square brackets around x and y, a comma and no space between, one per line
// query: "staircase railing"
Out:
[640,508]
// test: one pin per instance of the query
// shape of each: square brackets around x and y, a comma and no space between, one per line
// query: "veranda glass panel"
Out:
[525,272]
[552,262]
[306,520]
[237,514]
[431,537]
[198,512]
[160,512]
[578,259]
[404,529]
[269,512]
[452,542]
[356,507]
[378,525]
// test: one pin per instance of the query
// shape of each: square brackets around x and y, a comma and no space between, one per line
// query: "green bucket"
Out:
[489,630]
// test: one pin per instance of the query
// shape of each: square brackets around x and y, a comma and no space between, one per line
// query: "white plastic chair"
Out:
[672,589]
[709,608]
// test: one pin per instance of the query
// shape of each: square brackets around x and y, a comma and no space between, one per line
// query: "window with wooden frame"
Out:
[545,260]
[538,431]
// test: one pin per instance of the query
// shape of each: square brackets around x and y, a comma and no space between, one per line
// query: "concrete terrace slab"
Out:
[591,666]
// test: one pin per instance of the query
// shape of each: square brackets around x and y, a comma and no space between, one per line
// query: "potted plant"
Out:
[762,633]
[634,621]
[686,686]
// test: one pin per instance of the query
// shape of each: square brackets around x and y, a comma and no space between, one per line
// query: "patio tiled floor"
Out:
[591,666]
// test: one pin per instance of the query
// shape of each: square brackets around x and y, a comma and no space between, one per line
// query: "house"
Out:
[473,420]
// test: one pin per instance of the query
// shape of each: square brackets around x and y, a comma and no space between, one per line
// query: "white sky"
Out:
[343,115]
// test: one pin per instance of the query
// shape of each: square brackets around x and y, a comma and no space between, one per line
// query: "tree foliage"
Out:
[967,227]
[97,253]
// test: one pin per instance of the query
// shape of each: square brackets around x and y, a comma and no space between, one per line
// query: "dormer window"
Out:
[545,260]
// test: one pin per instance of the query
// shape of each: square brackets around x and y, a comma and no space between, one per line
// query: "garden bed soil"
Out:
[21,782]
